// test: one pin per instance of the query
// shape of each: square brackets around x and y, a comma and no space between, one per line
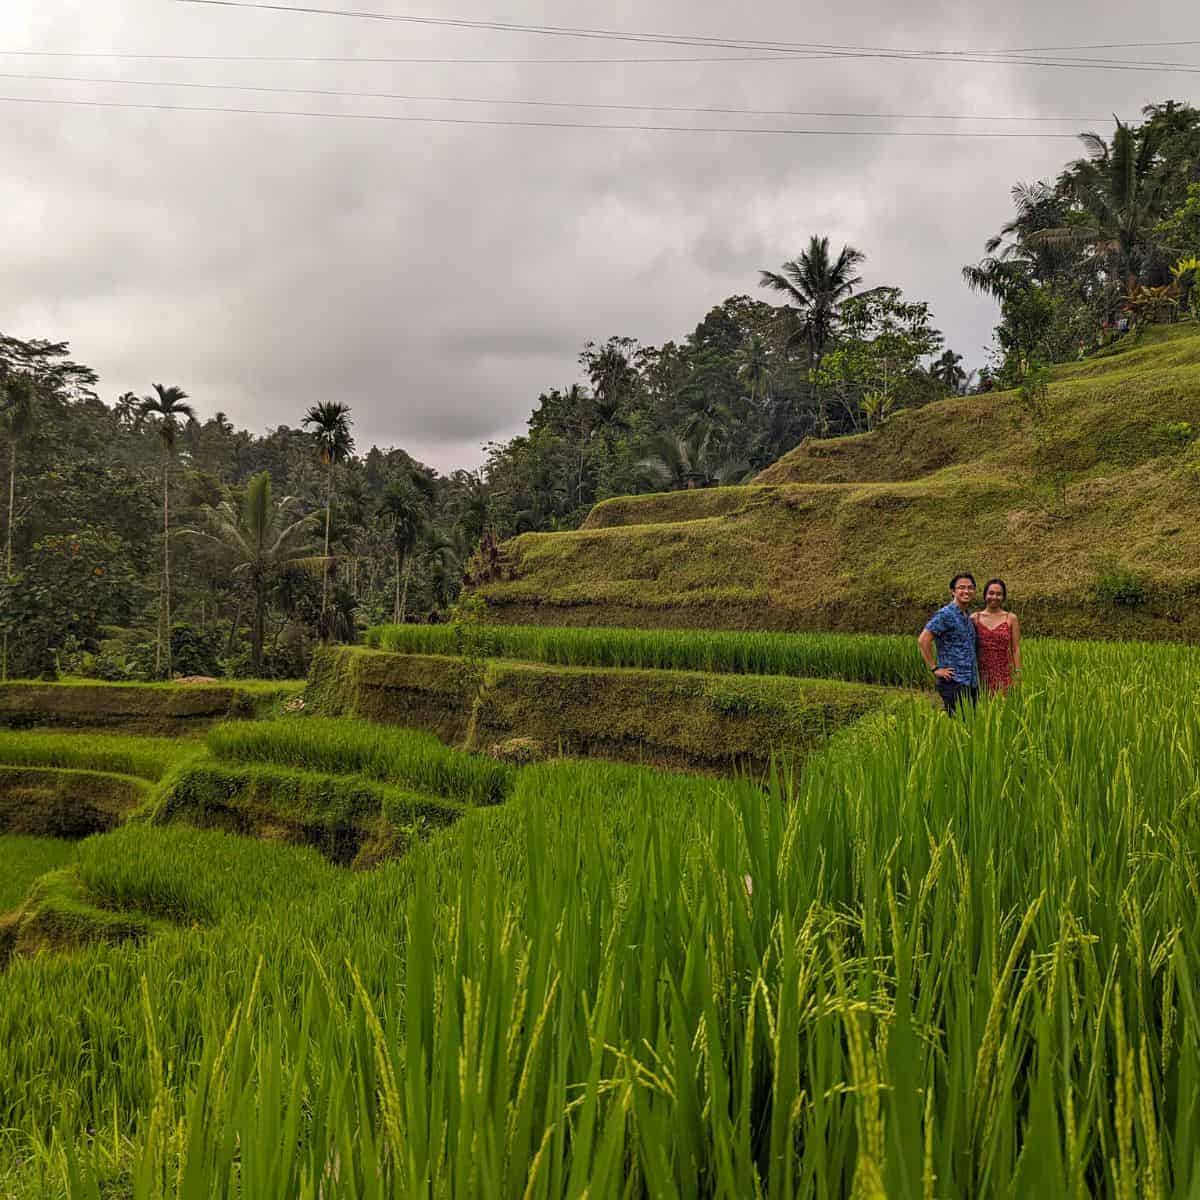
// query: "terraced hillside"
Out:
[1090,511]
[952,958]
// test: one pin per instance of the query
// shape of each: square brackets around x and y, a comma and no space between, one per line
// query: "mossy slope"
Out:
[861,533]
[672,718]
[351,821]
[53,802]
[135,708]
[61,914]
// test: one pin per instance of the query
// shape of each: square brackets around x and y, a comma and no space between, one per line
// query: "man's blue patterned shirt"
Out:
[954,636]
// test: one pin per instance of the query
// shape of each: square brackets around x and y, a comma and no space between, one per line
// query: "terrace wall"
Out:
[134,708]
[683,719]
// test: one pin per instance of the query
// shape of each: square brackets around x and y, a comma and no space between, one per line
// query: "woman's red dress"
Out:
[995,655]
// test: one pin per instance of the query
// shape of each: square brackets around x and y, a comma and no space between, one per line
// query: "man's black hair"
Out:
[962,575]
[1003,587]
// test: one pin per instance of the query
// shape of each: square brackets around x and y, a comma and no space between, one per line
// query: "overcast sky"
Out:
[437,277]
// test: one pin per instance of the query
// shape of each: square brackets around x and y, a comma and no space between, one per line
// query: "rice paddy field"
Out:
[884,659]
[936,958]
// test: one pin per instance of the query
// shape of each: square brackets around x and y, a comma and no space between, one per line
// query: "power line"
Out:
[325,58]
[772,57]
[1099,46]
[408,97]
[422,120]
[779,47]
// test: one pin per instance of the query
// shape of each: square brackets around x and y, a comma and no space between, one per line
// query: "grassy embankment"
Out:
[862,533]
[947,958]
[678,718]
[152,708]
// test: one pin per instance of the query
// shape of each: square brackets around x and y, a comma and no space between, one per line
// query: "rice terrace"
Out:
[592,824]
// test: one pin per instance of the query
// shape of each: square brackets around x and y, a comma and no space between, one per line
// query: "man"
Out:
[951,630]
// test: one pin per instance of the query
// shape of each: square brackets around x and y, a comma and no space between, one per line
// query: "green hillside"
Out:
[1089,509]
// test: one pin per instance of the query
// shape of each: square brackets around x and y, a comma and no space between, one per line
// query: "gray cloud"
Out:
[439,277]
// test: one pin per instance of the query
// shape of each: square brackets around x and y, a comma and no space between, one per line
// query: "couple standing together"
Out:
[973,649]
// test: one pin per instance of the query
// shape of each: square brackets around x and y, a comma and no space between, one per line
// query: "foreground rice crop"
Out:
[944,958]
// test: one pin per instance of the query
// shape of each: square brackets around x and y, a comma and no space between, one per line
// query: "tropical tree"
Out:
[402,509]
[1119,194]
[755,370]
[815,284]
[259,539]
[166,407]
[948,371]
[688,462]
[127,407]
[330,424]
[17,393]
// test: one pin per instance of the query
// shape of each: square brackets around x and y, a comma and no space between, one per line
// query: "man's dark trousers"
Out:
[952,692]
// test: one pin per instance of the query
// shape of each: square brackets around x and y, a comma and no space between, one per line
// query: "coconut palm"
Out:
[948,371]
[127,407]
[815,284]
[17,398]
[1120,194]
[330,422]
[402,508]
[259,539]
[755,369]
[166,407]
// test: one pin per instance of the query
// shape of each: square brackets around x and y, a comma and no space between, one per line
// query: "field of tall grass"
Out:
[939,959]
[333,746]
[886,659]
[22,860]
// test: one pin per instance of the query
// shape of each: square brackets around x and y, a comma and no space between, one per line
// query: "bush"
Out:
[1175,435]
[193,651]
[1118,585]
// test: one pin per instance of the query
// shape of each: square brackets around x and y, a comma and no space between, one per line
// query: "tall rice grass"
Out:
[120,754]
[945,958]
[333,746]
[886,659]
[23,859]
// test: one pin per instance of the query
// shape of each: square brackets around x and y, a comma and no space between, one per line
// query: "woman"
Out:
[999,639]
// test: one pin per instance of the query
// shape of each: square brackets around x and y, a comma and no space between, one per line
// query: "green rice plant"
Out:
[23,859]
[890,660]
[950,958]
[331,746]
[194,875]
[120,754]
[887,660]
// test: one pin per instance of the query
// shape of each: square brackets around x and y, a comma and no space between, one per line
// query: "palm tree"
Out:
[17,393]
[948,371]
[167,405]
[815,284]
[1120,193]
[403,511]
[754,368]
[260,540]
[688,462]
[330,421]
[127,407]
